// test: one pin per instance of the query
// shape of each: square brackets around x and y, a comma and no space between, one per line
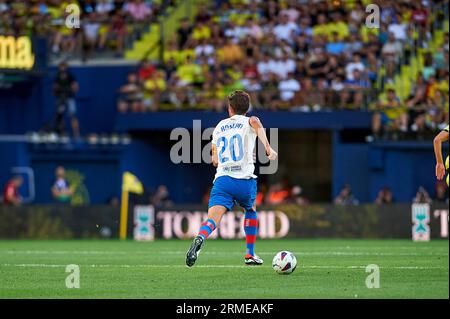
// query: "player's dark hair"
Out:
[239,102]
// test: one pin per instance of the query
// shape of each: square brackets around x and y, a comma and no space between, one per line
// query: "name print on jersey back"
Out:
[189,149]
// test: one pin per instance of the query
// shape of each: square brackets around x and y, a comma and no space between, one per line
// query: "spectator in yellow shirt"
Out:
[322,28]
[172,52]
[231,53]
[338,26]
[201,31]
[188,72]
[153,87]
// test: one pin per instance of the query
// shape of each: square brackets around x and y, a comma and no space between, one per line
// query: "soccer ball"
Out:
[284,263]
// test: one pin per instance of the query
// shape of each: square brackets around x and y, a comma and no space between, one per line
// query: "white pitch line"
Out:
[181,252]
[214,266]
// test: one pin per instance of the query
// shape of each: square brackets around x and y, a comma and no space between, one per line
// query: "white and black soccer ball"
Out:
[284,263]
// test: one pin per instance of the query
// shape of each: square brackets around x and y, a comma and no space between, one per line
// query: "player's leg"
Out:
[220,201]
[251,231]
[247,201]
[215,214]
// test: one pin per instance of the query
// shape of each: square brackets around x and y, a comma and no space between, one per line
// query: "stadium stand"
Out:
[301,56]
[100,28]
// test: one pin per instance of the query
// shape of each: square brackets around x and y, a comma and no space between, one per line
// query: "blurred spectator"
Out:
[336,46]
[11,196]
[441,195]
[417,92]
[203,14]
[384,196]
[297,196]
[322,45]
[161,198]
[153,88]
[90,38]
[231,53]
[261,195]
[188,72]
[114,202]
[277,194]
[65,87]
[422,196]
[64,39]
[354,64]
[391,53]
[183,32]
[146,70]
[138,10]
[398,28]
[131,95]
[117,31]
[61,190]
[88,6]
[4,6]
[346,197]
[288,88]
[285,29]
[140,13]
[389,116]
[354,89]
[104,7]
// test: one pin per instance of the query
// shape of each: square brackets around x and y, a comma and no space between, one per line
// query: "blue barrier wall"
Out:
[98,167]
[31,106]
[367,167]
[282,120]
[401,166]
[151,162]
[13,154]
[350,165]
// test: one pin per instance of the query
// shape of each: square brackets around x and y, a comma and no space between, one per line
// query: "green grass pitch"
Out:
[326,269]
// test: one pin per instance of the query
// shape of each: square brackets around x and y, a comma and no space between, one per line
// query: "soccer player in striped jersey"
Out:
[438,140]
[233,144]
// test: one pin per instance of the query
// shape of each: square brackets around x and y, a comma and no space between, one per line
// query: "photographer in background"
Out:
[64,89]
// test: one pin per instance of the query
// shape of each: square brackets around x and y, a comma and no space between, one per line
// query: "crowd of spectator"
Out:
[297,55]
[103,24]
[426,106]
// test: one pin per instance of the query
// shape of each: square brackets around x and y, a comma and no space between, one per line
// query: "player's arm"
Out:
[438,140]
[261,133]
[215,160]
